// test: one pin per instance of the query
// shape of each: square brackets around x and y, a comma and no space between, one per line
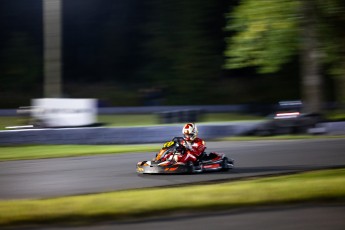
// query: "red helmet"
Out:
[190,132]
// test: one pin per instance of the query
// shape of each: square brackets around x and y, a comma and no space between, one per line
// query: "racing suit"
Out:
[194,150]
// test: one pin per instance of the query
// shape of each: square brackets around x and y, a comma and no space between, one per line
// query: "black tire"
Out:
[225,166]
[190,166]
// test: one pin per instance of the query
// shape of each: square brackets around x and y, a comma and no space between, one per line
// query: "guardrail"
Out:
[137,135]
[121,135]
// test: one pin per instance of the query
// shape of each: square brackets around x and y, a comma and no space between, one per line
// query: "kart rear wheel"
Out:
[190,166]
[225,166]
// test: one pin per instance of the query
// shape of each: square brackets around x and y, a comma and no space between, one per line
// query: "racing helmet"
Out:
[190,131]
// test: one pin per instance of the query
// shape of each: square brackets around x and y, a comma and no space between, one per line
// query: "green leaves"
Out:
[266,34]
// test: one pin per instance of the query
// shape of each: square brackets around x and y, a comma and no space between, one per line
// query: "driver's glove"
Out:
[187,145]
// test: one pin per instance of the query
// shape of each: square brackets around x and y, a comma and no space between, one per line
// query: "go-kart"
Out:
[166,161]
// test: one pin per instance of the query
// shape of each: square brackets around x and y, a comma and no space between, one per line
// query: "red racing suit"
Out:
[193,150]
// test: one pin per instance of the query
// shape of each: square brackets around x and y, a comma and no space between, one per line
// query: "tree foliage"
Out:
[20,66]
[184,47]
[269,33]
[332,34]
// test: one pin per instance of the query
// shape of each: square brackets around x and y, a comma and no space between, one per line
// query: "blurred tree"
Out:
[101,40]
[184,48]
[120,51]
[20,52]
[270,33]
[20,67]
[332,18]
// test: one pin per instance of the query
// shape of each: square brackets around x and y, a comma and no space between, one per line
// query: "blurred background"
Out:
[178,52]
[227,63]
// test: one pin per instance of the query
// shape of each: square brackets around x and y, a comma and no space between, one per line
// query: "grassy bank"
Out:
[135,119]
[55,151]
[306,187]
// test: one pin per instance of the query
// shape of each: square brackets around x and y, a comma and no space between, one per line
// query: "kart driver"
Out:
[195,146]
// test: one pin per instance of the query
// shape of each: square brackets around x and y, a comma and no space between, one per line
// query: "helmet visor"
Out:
[188,136]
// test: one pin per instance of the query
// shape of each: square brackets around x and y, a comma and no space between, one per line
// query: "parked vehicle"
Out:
[288,119]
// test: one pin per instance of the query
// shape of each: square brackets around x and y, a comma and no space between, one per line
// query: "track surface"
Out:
[83,175]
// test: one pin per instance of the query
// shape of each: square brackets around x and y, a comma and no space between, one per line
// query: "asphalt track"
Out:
[84,175]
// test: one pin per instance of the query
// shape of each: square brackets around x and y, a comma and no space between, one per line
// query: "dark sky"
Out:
[100,37]
[106,40]
[102,33]
[21,16]
[88,26]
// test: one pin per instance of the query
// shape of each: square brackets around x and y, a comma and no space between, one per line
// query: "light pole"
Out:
[52,48]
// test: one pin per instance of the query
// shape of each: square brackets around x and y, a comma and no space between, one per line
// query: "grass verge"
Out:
[315,186]
[55,151]
[116,120]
